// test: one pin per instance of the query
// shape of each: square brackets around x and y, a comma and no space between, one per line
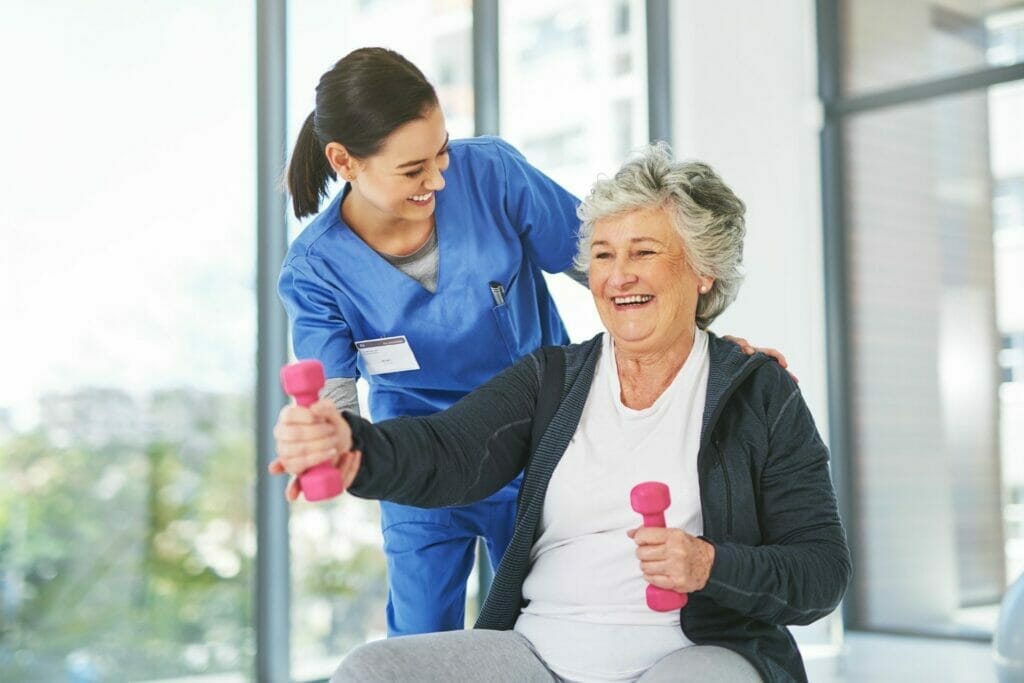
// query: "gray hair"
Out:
[702,209]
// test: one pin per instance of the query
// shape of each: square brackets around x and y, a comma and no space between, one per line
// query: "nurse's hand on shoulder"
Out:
[766,350]
[308,436]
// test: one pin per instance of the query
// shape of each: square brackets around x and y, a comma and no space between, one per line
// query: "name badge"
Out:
[387,354]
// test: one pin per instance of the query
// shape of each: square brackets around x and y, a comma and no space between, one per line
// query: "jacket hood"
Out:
[729,366]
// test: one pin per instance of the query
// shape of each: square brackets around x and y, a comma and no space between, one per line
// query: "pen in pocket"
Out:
[498,292]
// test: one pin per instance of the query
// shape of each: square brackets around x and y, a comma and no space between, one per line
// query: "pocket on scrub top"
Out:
[508,335]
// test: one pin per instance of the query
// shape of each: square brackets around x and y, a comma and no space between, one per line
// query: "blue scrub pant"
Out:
[430,554]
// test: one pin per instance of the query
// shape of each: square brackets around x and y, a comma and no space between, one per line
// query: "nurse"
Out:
[424,277]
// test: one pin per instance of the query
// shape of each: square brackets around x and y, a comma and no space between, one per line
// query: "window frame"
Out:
[837,111]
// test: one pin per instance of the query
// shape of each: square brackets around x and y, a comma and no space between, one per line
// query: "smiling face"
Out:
[644,288]
[398,183]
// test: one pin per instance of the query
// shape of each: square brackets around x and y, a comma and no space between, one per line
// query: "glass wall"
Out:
[126,295]
[574,85]
[892,44]
[934,234]
[1006,111]
[574,101]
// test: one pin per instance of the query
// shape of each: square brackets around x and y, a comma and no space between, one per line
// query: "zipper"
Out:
[728,486]
[748,370]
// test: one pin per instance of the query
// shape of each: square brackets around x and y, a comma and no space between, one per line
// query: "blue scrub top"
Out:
[498,219]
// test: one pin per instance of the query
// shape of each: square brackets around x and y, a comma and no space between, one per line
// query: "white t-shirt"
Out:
[595,625]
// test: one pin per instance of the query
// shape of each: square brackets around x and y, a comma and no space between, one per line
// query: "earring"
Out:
[703,289]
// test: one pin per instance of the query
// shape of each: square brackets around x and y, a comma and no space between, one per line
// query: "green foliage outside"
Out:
[134,559]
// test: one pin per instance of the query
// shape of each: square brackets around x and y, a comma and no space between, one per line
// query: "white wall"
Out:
[745,100]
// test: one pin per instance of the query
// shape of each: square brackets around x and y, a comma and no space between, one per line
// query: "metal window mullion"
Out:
[836,294]
[928,90]
[486,70]
[659,73]
[273,589]
[486,121]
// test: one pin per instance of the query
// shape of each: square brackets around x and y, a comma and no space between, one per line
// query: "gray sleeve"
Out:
[342,391]
[579,276]
[801,571]
[455,457]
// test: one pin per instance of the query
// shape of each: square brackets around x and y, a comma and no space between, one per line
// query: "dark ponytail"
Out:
[308,171]
[359,103]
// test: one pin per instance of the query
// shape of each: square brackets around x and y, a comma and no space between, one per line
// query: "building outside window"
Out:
[934,236]
[574,102]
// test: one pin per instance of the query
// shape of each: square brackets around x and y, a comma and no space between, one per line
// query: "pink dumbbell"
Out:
[303,381]
[651,499]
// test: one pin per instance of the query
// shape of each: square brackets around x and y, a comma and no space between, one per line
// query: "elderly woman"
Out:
[753,534]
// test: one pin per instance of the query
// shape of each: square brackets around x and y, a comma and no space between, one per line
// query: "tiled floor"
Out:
[872,658]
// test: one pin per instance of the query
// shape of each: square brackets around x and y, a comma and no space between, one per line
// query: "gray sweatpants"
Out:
[500,656]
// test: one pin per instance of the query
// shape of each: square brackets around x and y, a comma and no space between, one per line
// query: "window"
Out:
[933,256]
[127,269]
[574,101]
[889,44]
[568,70]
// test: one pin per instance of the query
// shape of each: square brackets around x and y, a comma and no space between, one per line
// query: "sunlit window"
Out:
[936,326]
[127,266]
[574,101]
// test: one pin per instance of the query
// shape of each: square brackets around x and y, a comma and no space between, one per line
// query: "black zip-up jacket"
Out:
[767,498]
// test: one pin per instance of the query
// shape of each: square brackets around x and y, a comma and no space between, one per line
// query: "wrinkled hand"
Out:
[308,436]
[672,558]
[770,352]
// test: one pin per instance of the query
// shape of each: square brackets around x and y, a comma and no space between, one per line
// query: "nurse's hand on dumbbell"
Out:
[673,559]
[308,436]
